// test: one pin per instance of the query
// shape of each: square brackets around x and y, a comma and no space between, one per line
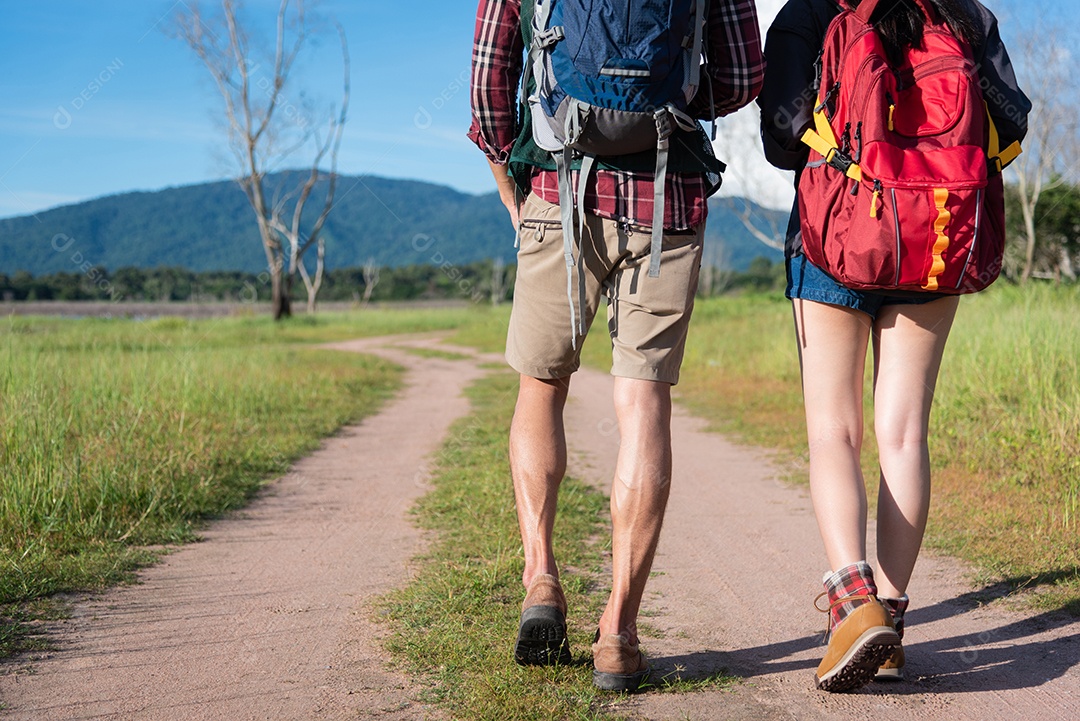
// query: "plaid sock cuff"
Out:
[896,607]
[857,581]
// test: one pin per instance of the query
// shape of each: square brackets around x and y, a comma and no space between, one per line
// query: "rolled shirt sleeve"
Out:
[736,65]
[496,69]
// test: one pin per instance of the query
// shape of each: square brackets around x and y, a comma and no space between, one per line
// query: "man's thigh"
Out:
[542,339]
[648,317]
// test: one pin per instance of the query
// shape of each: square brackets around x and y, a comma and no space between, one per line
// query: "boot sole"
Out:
[861,663]
[542,638]
[889,675]
[621,682]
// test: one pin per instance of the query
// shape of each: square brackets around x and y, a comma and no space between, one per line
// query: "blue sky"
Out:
[98,100]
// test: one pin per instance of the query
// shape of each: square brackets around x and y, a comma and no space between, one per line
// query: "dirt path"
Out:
[268,618]
[736,574]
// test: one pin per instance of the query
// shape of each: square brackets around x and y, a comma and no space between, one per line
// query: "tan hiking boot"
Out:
[618,665]
[541,639]
[858,646]
[893,668]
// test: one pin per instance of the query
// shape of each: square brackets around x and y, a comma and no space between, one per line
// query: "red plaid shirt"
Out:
[736,69]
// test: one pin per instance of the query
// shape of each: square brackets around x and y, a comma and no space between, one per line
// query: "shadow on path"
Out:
[1008,656]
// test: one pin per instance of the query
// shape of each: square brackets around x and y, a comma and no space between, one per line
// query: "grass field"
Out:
[1005,431]
[119,436]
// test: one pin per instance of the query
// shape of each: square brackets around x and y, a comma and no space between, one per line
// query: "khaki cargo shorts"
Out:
[647,317]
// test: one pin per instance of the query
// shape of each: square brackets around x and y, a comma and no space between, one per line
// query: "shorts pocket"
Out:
[535,233]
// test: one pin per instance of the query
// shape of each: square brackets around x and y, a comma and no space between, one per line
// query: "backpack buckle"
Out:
[664,125]
[547,38]
[839,160]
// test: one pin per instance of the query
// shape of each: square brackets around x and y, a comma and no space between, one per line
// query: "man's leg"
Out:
[538,464]
[540,345]
[639,496]
[648,318]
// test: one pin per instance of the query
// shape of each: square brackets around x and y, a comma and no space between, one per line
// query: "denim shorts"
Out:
[808,282]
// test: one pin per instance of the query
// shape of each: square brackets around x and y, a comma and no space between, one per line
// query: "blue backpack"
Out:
[612,78]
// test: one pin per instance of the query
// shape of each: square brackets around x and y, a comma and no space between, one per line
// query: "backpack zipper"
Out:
[876,198]
[931,67]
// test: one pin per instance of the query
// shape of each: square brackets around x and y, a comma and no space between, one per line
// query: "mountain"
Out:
[211,227]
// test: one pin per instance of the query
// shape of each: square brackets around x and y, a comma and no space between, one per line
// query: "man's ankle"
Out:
[615,626]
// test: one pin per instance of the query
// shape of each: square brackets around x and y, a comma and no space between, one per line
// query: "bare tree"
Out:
[767,228]
[716,270]
[752,177]
[1051,146]
[371,279]
[498,280]
[262,135]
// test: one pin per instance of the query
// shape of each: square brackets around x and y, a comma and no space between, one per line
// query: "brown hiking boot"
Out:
[893,668]
[541,639]
[858,646]
[617,665]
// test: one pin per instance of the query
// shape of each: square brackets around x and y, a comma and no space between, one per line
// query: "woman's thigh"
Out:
[909,342]
[832,342]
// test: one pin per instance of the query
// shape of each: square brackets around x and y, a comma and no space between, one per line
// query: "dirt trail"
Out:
[738,569]
[268,618]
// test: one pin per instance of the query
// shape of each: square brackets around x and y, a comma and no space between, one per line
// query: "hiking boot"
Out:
[893,668]
[858,646]
[541,639]
[618,665]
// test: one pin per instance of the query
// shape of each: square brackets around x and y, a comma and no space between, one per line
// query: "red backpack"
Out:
[903,189]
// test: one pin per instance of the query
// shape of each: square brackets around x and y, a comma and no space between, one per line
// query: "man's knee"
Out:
[641,397]
[540,389]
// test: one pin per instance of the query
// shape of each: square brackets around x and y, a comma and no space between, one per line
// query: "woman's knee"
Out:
[830,431]
[901,434]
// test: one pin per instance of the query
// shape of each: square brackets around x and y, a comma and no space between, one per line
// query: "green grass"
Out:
[454,624]
[118,437]
[1007,441]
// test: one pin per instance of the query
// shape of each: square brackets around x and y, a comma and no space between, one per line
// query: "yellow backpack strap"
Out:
[821,123]
[823,141]
[1001,158]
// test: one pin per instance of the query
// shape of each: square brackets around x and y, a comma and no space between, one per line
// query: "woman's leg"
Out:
[909,341]
[832,344]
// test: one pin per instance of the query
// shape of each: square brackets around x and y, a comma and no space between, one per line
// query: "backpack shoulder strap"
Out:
[867,7]
[999,157]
